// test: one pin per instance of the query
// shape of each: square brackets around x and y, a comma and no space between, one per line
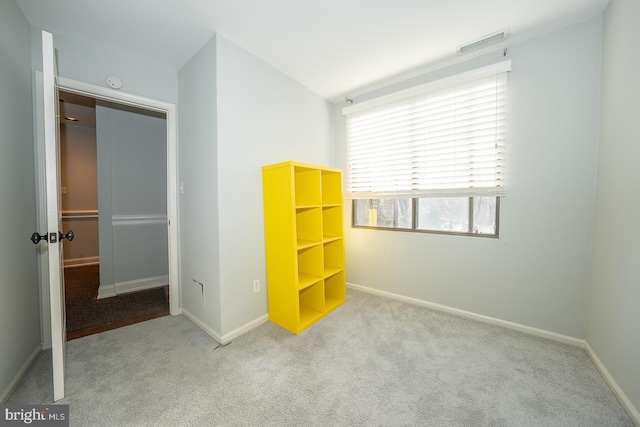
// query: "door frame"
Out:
[169,109]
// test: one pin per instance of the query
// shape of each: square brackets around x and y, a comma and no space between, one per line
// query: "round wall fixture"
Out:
[114,82]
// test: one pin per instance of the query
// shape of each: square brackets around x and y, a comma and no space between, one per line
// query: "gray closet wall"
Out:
[79,180]
[132,198]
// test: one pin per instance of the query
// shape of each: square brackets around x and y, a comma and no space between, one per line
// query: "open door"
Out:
[54,219]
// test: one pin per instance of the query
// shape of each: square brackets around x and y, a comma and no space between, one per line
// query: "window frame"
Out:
[414,220]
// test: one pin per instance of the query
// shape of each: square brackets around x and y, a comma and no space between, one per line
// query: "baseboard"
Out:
[141,284]
[106,291]
[81,262]
[470,315]
[213,334]
[21,373]
[226,338]
[111,290]
[613,385]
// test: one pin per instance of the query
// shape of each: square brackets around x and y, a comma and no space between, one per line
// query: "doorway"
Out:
[98,169]
[124,98]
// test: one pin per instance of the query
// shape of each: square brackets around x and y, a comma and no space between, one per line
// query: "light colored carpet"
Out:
[373,362]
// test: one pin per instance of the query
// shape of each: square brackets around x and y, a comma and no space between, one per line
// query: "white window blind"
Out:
[445,138]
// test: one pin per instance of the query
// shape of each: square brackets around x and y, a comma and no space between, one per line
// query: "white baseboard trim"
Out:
[213,334]
[106,291]
[613,385]
[111,290]
[226,338]
[81,262]
[474,316]
[21,373]
[141,284]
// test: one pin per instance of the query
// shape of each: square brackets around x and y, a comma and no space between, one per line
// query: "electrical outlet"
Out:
[256,285]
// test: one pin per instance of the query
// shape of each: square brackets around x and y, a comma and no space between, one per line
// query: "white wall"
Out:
[90,63]
[197,133]
[264,117]
[19,304]
[614,310]
[537,273]
[237,114]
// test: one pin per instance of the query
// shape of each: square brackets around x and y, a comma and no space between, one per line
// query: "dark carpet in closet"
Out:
[87,315]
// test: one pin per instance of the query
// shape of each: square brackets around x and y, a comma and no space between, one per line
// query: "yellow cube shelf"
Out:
[304,243]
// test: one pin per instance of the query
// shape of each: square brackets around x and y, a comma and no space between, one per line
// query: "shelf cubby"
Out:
[307,186]
[333,257]
[331,188]
[310,267]
[312,303]
[308,226]
[335,291]
[332,222]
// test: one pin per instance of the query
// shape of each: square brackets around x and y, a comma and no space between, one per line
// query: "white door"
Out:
[54,218]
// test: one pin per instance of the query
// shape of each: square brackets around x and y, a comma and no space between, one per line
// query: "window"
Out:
[383,213]
[431,158]
[477,216]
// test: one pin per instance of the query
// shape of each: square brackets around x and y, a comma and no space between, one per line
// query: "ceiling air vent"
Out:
[483,42]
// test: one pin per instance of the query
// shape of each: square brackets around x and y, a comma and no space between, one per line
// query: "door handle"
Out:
[69,235]
[52,237]
[35,238]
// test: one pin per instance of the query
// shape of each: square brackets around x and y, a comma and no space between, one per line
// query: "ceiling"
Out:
[333,47]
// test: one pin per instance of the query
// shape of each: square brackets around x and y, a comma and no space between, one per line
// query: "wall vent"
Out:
[485,41]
